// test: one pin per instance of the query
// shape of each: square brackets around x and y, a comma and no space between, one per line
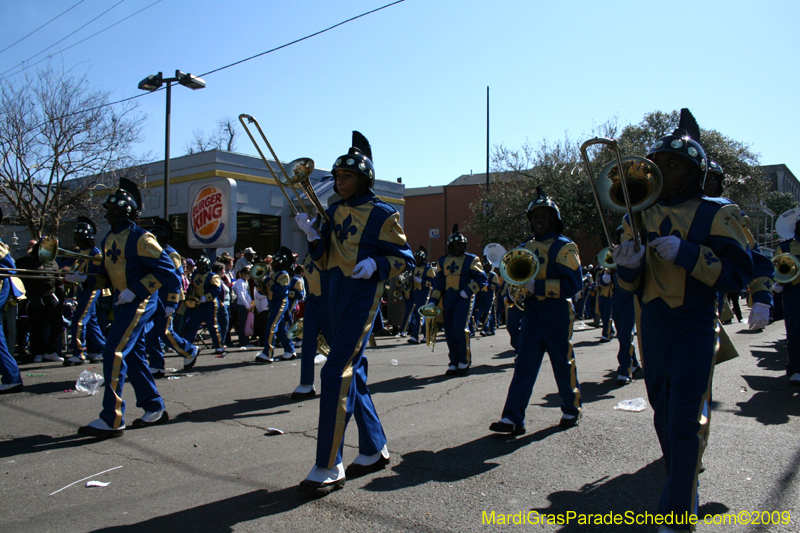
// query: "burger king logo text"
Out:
[207,212]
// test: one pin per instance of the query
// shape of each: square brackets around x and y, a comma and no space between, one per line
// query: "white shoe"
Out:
[795,379]
[38,358]
[188,362]
[53,357]
[326,475]
[264,358]
[95,357]
[367,460]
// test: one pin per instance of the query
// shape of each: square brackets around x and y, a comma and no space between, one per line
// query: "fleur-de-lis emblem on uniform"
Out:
[345,229]
[551,294]
[709,257]
[151,284]
[114,252]
[664,230]
[310,267]
[768,284]
[452,267]
[397,265]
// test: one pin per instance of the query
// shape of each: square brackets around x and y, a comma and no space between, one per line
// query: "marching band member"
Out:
[296,293]
[162,329]
[791,309]
[423,279]
[136,267]
[605,288]
[360,247]
[84,329]
[488,300]
[11,381]
[313,316]
[276,289]
[694,248]
[547,320]
[623,313]
[760,287]
[459,278]
[207,289]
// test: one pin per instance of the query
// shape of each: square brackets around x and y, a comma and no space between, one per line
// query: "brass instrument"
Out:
[49,250]
[518,267]
[628,185]
[191,302]
[400,283]
[259,270]
[296,332]
[787,268]
[431,314]
[297,176]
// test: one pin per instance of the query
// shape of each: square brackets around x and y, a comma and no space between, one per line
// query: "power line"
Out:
[40,27]
[302,38]
[226,66]
[60,40]
[82,40]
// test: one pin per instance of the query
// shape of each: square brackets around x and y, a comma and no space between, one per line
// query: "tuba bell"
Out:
[787,268]
[259,270]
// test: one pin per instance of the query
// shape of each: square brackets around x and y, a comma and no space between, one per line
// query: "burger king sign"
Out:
[212,213]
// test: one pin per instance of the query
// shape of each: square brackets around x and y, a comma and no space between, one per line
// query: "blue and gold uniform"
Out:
[605,290]
[11,380]
[547,326]
[87,337]
[791,312]
[457,276]
[623,312]
[133,261]
[489,303]
[206,286]
[679,326]
[513,317]
[296,294]
[361,228]
[421,293]
[162,329]
[313,315]
[277,287]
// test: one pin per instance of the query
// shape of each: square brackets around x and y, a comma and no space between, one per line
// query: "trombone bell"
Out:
[605,259]
[518,266]
[431,314]
[642,177]
[259,270]
[787,268]
[49,250]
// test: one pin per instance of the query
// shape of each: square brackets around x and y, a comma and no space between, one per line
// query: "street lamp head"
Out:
[151,83]
[190,81]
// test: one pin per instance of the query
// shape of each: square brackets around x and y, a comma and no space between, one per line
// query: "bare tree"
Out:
[61,143]
[222,138]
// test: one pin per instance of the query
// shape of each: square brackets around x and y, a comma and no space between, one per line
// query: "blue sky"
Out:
[413,77]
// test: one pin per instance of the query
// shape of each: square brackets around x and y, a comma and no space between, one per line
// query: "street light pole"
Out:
[153,83]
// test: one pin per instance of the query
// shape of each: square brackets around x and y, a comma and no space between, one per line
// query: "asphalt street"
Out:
[216,466]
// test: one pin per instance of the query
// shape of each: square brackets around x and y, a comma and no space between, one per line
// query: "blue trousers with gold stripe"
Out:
[417,322]
[487,312]
[350,314]
[277,329]
[311,330]
[513,320]
[203,314]
[456,318]
[678,371]
[124,358]
[410,317]
[84,328]
[162,331]
[604,306]
[624,313]
[8,365]
[546,327]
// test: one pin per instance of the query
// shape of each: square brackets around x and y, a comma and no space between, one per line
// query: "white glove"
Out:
[666,247]
[75,277]
[625,256]
[777,288]
[606,278]
[169,311]
[203,299]
[307,226]
[125,297]
[417,279]
[464,294]
[759,316]
[365,268]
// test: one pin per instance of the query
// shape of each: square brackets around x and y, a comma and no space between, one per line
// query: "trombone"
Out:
[431,314]
[628,185]
[48,251]
[300,171]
